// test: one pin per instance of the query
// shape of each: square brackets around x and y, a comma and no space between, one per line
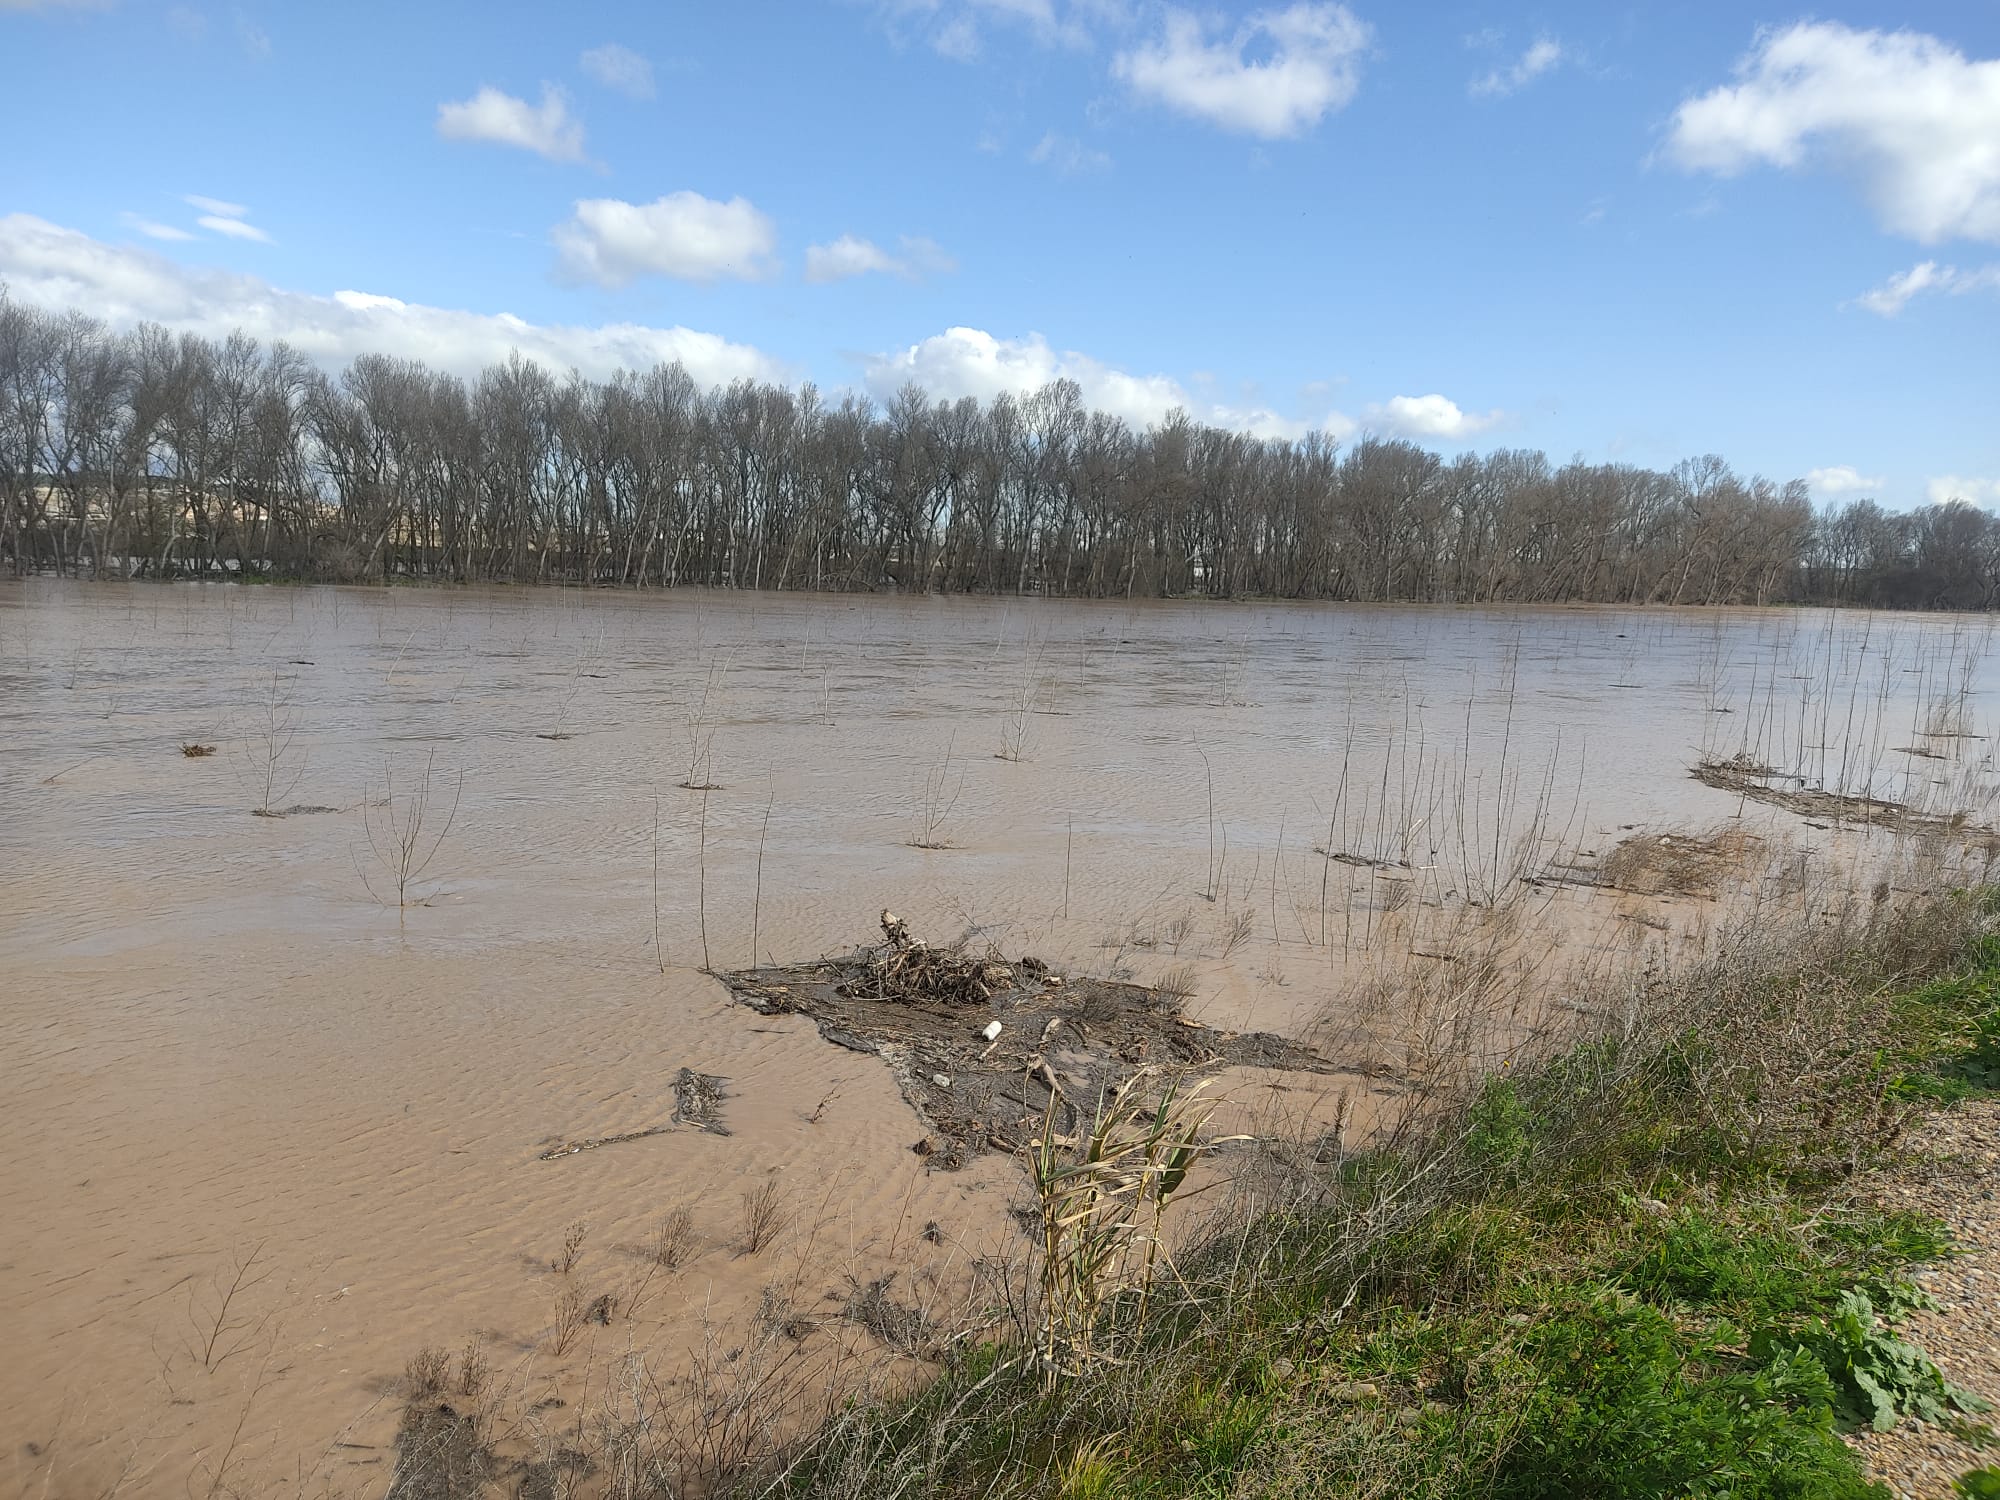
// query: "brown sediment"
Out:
[980,1046]
[1679,864]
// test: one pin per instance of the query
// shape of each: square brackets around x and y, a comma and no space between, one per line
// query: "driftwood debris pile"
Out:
[980,1044]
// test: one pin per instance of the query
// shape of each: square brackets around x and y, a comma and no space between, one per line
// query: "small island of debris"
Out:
[979,1044]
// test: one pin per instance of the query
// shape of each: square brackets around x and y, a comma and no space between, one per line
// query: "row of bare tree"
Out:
[151,454]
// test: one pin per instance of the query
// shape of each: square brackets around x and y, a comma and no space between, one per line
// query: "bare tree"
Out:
[155,454]
[405,828]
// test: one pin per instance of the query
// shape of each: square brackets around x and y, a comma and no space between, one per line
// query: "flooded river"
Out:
[277,1087]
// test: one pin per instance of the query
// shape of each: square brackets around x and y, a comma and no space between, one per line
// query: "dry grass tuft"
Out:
[474,1371]
[902,1327]
[1175,988]
[425,1376]
[572,1249]
[572,1311]
[763,1216]
[1236,932]
[673,1240]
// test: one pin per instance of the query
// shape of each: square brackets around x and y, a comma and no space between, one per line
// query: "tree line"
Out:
[151,454]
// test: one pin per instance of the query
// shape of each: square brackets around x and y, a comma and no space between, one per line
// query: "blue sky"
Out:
[1636,232]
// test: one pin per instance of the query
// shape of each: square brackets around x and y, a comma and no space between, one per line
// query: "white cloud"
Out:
[1067,156]
[953,27]
[60,268]
[619,68]
[957,39]
[683,235]
[1910,117]
[1544,55]
[218,216]
[546,129]
[1893,295]
[154,230]
[1431,416]
[851,256]
[1049,24]
[845,257]
[1840,479]
[1963,487]
[972,362]
[234,229]
[1309,64]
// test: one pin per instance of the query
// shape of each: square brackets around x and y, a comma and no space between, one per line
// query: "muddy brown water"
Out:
[222,1040]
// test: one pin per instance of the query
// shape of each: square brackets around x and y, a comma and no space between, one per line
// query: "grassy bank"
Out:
[1640,1267]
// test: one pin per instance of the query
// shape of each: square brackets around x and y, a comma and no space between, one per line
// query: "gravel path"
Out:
[1950,1172]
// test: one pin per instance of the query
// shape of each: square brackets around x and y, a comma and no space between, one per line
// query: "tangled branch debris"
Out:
[697,1101]
[910,970]
[983,1048]
[1761,783]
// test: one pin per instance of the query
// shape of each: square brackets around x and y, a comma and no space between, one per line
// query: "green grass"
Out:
[1613,1283]
[1957,1018]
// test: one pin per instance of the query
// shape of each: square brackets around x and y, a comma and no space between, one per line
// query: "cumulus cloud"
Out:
[1911,118]
[1067,156]
[1893,295]
[619,68]
[51,266]
[1306,62]
[546,129]
[972,362]
[1840,479]
[1963,487]
[1427,417]
[683,235]
[851,256]
[1540,58]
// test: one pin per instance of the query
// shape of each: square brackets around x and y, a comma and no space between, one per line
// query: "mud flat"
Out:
[293,1096]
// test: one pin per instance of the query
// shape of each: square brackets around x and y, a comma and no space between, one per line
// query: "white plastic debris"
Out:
[992,1030]
[941,1080]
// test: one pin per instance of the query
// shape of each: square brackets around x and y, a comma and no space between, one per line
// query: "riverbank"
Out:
[1656,1264]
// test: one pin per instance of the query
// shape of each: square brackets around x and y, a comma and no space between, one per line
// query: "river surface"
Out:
[233,1040]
